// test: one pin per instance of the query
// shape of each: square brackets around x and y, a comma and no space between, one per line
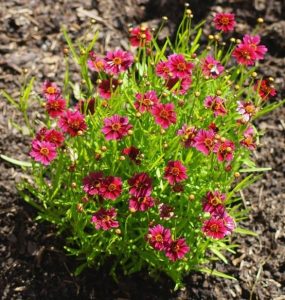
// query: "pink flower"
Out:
[92,183]
[116,127]
[205,141]
[50,90]
[145,102]
[159,237]
[265,90]
[224,150]
[216,104]
[165,211]
[214,228]
[95,63]
[107,87]
[43,152]
[118,61]
[105,219]
[55,107]
[249,140]
[244,54]
[140,185]
[246,109]
[224,22]
[111,187]
[55,137]
[178,66]
[140,36]
[175,172]
[228,221]
[164,114]
[163,69]
[211,67]
[72,122]
[182,88]
[214,201]
[253,42]
[177,249]
[140,203]
[133,153]
[188,134]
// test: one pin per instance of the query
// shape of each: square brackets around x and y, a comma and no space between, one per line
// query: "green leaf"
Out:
[245,231]
[10,99]
[254,170]
[16,162]
[219,255]
[216,273]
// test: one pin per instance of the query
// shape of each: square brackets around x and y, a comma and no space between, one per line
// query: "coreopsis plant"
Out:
[145,167]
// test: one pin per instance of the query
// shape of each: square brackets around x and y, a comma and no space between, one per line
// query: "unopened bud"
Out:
[73,185]
[130,132]
[237,174]
[237,87]
[138,114]
[65,51]
[260,20]
[218,92]
[103,148]
[233,40]
[254,74]
[122,157]
[165,18]
[79,132]
[79,207]
[210,37]
[197,94]
[208,48]
[118,231]
[191,197]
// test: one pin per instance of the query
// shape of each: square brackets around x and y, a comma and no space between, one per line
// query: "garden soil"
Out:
[33,262]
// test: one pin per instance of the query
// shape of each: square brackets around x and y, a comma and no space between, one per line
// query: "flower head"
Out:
[50,90]
[95,63]
[118,61]
[249,141]
[216,104]
[214,201]
[177,249]
[159,237]
[145,102]
[140,185]
[175,172]
[55,107]
[111,187]
[211,67]
[253,42]
[162,69]
[107,87]
[43,152]
[182,88]
[214,228]
[140,203]
[164,114]
[246,109]
[224,22]
[72,122]
[133,153]
[188,134]
[265,90]
[205,141]
[105,219]
[244,54]
[140,36]
[178,65]
[116,127]
[165,211]
[55,137]
[92,183]
[224,150]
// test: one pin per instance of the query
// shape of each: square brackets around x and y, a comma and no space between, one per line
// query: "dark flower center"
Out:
[164,114]
[214,228]
[112,187]
[181,66]
[175,171]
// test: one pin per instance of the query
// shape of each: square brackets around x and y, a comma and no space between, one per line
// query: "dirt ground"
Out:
[33,262]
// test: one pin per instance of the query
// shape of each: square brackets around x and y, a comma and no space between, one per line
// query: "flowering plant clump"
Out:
[145,167]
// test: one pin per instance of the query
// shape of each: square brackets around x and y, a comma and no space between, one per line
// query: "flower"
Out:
[162,69]
[177,249]
[145,102]
[55,107]
[105,219]
[216,104]
[165,211]
[244,54]
[159,237]
[95,63]
[116,127]
[133,153]
[265,90]
[140,36]
[50,90]
[178,66]
[205,141]
[55,137]
[140,203]
[249,140]
[253,42]
[228,221]
[92,183]
[214,201]
[72,122]
[164,114]
[188,134]
[118,61]
[110,187]
[43,152]
[211,67]
[224,150]
[182,88]
[106,87]
[140,185]
[175,172]
[224,22]
[214,228]
[246,109]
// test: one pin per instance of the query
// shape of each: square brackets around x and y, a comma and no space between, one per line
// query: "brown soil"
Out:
[33,262]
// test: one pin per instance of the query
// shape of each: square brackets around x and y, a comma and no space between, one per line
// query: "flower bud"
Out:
[118,231]
[65,51]
[260,20]
[165,18]
[237,174]
[191,197]
[122,157]
[208,48]
[130,132]
[138,114]
[79,207]
[254,74]
[210,37]
[233,40]
[197,94]
[103,148]
[73,185]
[218,92]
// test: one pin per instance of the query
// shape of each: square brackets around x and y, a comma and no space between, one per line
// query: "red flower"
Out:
[216,104]
[177,249]
[253,42]
[116,127]
[249,140]
[72,122]
[224,22]
[140,203]
[140,185]
[145,102]
[178,66]
[165,211]
[162,69]
[92,183]
[265,90]
[211,67]
[182,88]
[43,152]
[107,87]
[95,63]
[188,134]
[132,152]
[111,188]
[159,237]
[214,201]
[140,36]
[50,90]
[164,114]
[224,150]
[205,141]
[214,228]
[175,172]
[105,219]
[54,136]
[244,54]
[55,107]
[118,61]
